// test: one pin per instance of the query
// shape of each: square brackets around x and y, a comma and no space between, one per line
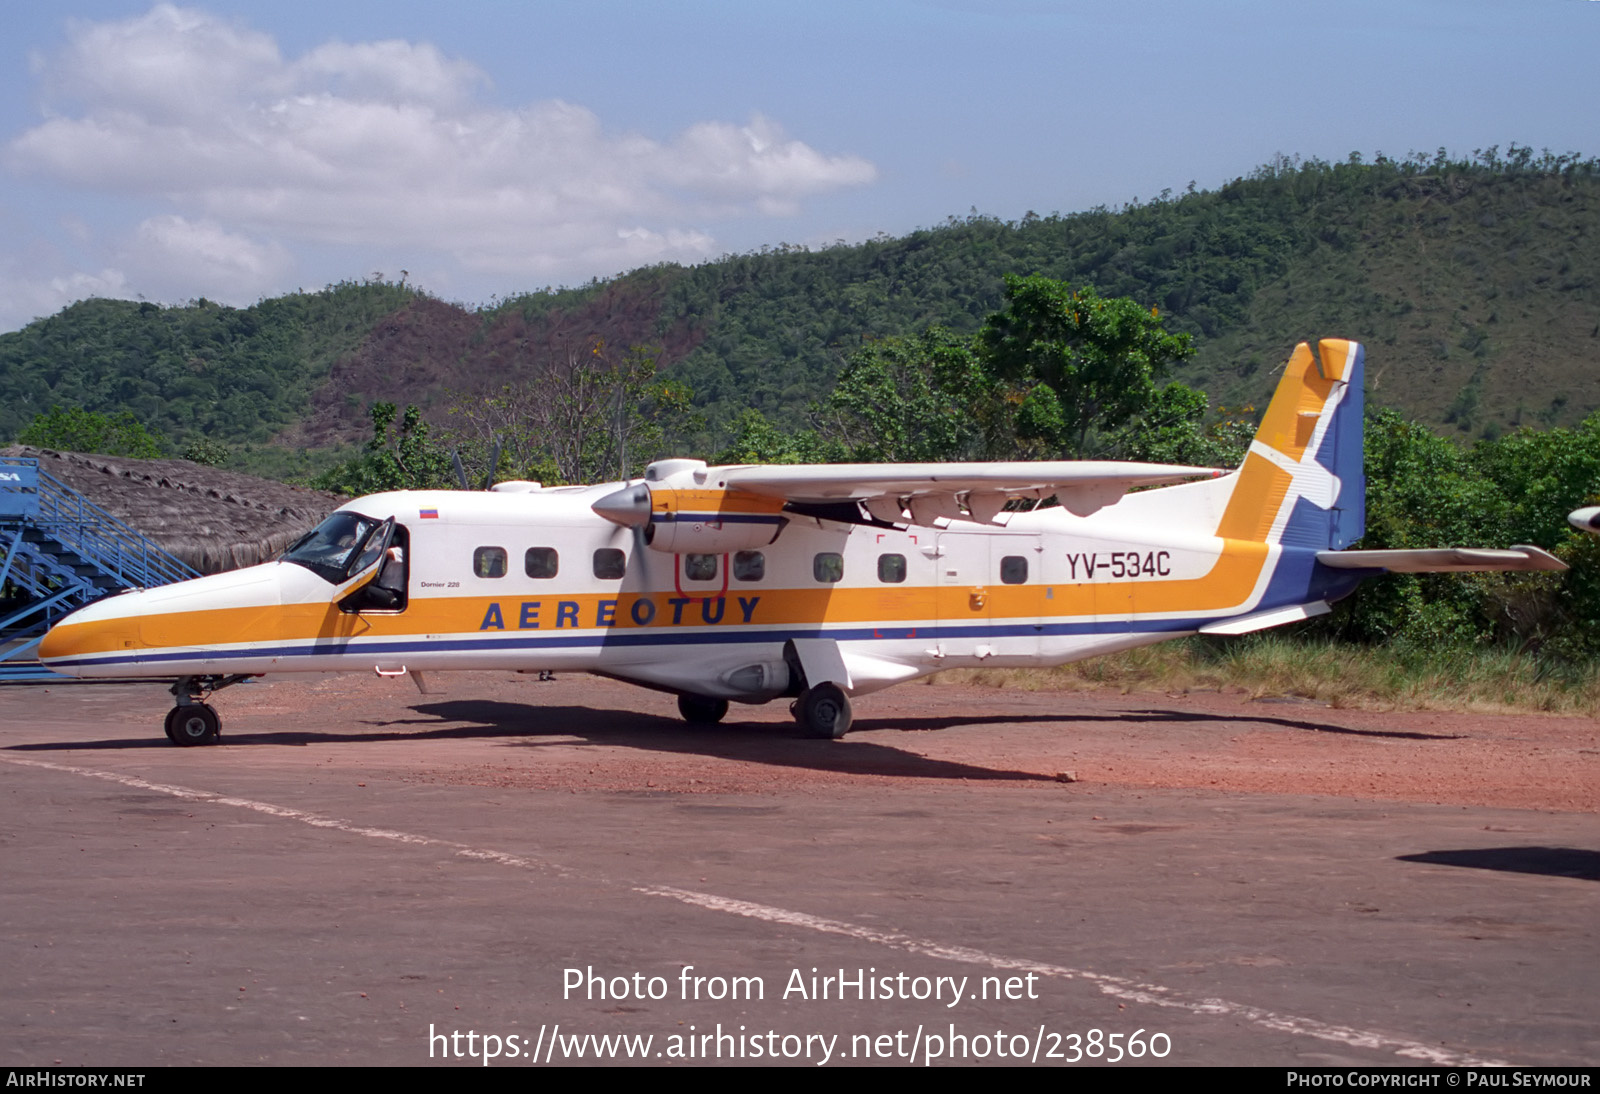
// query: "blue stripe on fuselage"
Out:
[896,632]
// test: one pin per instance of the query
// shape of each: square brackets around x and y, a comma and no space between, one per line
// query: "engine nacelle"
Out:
[711,522]
[683,512]
[696,535]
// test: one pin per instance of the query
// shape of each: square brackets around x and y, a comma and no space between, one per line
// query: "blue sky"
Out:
[240,149]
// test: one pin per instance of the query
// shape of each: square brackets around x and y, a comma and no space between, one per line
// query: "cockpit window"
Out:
[337,547]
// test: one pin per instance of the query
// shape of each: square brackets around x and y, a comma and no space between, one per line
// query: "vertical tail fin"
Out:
[1302,483]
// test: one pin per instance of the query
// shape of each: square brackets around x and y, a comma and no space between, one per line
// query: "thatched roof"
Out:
[213,520]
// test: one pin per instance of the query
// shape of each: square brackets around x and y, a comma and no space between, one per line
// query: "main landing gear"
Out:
[702,710]
[823,711]
[192,722]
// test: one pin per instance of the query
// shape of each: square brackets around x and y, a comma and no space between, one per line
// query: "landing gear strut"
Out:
[192,722]
[823,711]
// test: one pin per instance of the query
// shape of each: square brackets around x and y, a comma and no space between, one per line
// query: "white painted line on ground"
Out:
[316,820]
[1117,987]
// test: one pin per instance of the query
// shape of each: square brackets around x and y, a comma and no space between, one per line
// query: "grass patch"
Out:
[1359,677]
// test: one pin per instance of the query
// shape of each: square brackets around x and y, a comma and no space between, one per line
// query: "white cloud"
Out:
[26,295]
[387,146]
[233,267]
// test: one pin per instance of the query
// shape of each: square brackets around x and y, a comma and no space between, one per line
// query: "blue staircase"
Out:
[58,552]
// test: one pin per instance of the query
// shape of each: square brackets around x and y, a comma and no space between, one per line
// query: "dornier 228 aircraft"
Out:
[820,583]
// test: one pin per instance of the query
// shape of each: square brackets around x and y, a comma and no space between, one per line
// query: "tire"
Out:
[701,709]
[825,712]
[196,724]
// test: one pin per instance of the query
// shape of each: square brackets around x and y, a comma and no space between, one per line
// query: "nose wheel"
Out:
[193,724]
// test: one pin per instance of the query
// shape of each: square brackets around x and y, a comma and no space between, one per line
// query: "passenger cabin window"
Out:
[610,564]
[828,566]
[489,562]
[700,567]
[749,565]
[1014,570]
[541,562]
[892,568]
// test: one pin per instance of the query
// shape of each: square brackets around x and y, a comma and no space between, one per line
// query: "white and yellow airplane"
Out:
[750,583]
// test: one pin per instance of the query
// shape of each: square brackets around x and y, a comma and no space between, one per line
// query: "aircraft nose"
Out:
[94,629]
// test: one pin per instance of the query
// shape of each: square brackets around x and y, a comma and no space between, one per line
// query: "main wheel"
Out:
[824,711]
[196,724]
[701,709]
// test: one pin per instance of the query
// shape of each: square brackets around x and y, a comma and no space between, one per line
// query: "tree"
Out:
[585,415]
[77,430]
[757,440]
[923,397]
[1175,428]
[204,450]
[1422,492]
[396,459]
[1098,358]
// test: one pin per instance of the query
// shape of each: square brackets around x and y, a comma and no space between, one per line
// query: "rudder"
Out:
[1302,483]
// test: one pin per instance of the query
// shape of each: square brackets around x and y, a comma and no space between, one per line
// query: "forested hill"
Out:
[1475,284]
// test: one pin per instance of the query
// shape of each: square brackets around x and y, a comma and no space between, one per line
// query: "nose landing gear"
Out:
[192,722]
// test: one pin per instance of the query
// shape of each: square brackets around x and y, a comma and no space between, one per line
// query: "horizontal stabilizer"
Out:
[1443,560]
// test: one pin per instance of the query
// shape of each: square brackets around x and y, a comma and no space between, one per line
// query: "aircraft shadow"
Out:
[1570,862]
[775,744]
[91,746]
[780,744]
[910,724]
[1287,723]
[753,742]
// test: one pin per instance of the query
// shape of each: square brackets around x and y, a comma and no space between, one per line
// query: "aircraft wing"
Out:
[1444,560]
[922,492]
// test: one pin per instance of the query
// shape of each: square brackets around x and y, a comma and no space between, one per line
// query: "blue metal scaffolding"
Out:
[58,552]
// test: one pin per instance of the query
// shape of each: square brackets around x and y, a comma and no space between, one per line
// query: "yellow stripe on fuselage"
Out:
[1229,584]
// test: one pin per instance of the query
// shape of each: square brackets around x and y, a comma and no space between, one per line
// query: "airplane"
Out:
[1586,519]
[819,583]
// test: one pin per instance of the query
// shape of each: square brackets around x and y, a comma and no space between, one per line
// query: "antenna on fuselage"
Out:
[494,465]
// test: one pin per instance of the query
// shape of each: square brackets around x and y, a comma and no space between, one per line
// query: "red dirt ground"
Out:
[583,733]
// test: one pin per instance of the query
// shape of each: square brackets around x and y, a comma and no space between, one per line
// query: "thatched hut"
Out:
[211,519]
